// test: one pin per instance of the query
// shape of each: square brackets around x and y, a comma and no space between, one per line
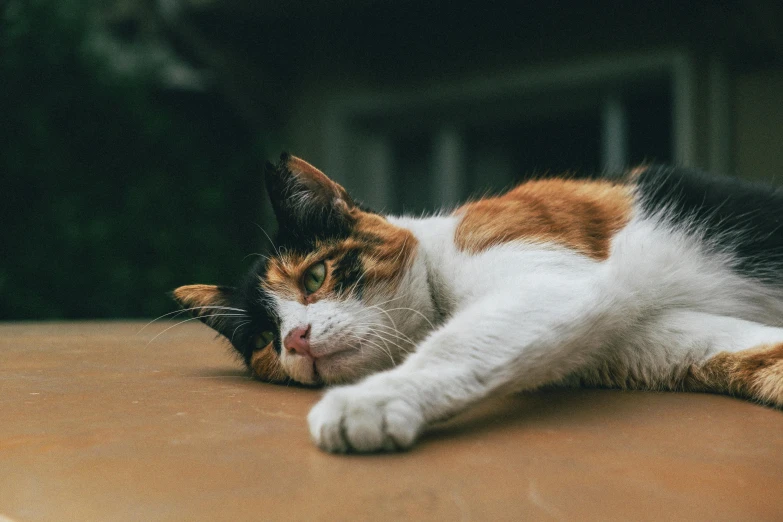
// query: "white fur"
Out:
[522,315]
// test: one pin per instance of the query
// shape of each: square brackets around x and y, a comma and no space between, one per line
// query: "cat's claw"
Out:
[364,419]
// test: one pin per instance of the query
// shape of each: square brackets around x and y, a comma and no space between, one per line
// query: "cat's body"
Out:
[664,279]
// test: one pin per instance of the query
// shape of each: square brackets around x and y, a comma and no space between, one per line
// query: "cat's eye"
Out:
[314,277]
[264,339]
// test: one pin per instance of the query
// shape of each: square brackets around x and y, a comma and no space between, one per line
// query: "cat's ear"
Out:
[210,304]
[304,198]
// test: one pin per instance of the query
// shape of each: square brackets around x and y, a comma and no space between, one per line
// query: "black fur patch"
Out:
[736,216]
[348,272]
[249,296]
[303,215]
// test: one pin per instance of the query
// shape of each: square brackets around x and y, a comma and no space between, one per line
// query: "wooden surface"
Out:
[99,423]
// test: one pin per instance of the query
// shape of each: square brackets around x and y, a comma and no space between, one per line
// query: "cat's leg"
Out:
[755,374]
[682,350]
[745,360]
[500,344]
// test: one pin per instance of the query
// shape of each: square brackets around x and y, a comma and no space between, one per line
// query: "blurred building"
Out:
[416,103]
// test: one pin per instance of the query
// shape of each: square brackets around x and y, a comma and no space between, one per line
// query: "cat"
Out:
[662,279]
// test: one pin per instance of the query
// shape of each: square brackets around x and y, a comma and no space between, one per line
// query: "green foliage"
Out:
[114,191]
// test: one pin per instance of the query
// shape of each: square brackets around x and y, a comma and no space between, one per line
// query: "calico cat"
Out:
[663,279]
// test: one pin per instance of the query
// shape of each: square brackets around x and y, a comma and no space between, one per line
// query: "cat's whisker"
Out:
[364,340]
[177,312]
[386,340]
[389,330]
[277,250]
[397,332]
[193,319]
[354,287]
[369,307]
[244,323]
[385,350]
[415,312]
[265,257]
[370,320]
[401,251]
[354,335]
[390,333]
[387,315]
[358,342]
[392,299]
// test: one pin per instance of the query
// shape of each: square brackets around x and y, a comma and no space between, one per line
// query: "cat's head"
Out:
[339,296]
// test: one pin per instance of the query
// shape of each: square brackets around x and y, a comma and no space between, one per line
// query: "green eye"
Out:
[314,277]
[264,339]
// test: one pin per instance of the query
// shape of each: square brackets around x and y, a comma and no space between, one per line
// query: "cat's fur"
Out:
[664,279]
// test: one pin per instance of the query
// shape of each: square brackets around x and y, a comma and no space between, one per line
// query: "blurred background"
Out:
[133,132]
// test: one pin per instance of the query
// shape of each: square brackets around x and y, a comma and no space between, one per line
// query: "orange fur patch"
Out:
[388,252]
[194,296]
[582,215]
[755,374]
[266,365]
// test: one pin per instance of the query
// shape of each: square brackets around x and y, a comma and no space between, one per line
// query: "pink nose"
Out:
[298,340]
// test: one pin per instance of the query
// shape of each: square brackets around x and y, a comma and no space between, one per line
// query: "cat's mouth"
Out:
[317,379]
[328,368]
[336,363]
[324,366]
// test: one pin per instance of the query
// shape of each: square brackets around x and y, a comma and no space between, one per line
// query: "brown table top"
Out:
[100,424]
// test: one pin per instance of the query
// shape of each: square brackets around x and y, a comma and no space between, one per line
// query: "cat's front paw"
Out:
[364,419]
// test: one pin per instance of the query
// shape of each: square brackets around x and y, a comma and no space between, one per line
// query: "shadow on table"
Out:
[241,375]
[231,373]
[549,408]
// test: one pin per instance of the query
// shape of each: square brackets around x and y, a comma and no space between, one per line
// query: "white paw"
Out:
[364,418]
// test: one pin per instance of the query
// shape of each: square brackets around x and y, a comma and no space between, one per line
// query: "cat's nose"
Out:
[298,340]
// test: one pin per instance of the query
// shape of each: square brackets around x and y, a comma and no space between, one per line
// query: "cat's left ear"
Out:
[210,304]
[304,198]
